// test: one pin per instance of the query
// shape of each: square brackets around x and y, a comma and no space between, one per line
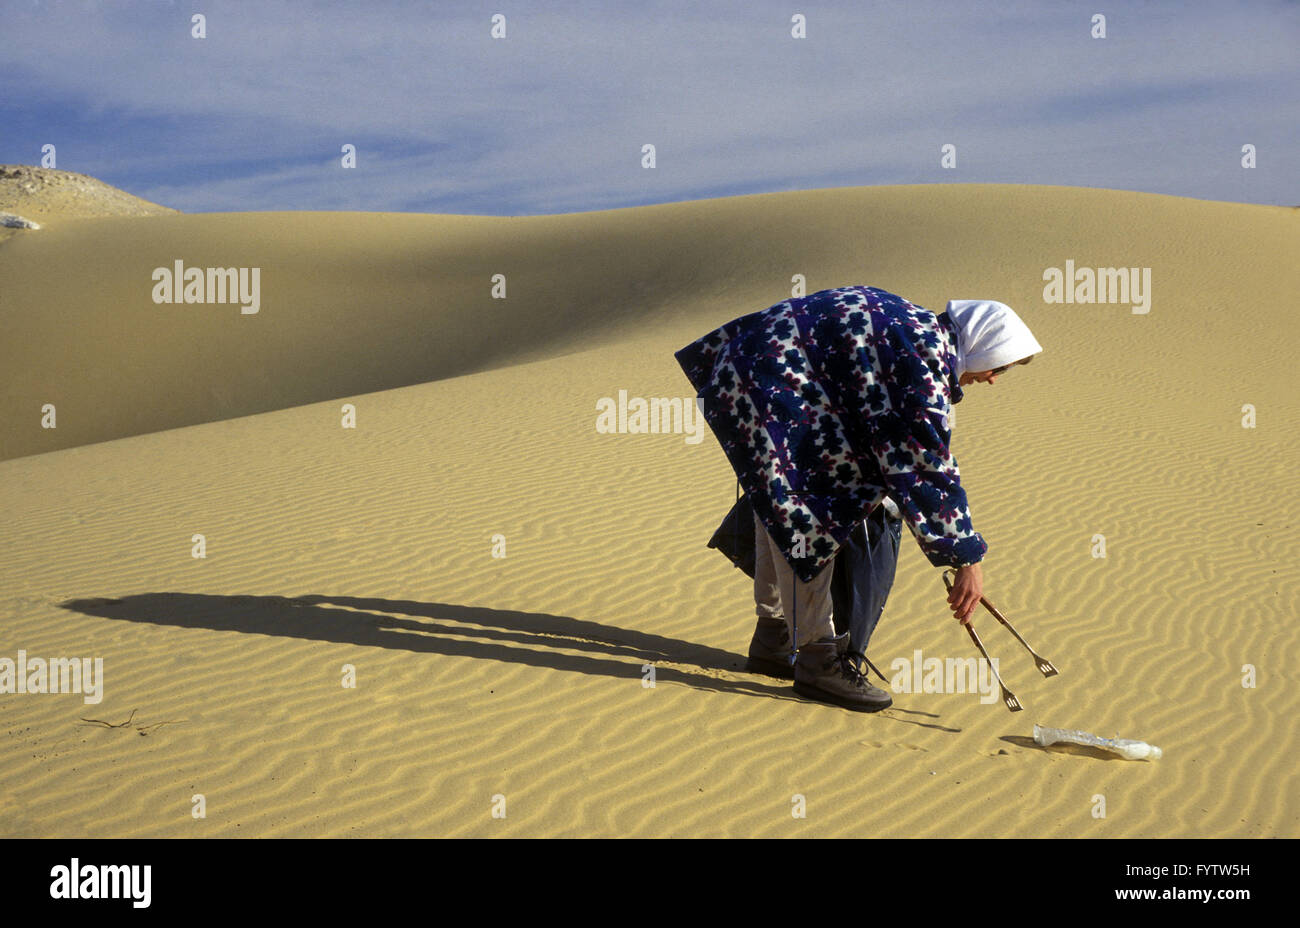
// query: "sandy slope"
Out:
[523,676]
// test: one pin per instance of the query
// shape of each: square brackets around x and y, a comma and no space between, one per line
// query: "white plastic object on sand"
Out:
[12,221]
[1129,750]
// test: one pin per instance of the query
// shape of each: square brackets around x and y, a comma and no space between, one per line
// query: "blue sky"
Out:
[552,118]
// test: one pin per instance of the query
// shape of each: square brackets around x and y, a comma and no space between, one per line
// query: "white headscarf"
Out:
[989,335]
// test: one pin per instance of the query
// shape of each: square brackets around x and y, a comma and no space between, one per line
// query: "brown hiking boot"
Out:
[769,649]
[824,671]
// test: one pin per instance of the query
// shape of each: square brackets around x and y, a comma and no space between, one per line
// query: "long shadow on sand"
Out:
[443,628]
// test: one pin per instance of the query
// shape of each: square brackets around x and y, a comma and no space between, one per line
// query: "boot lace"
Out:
[850,669]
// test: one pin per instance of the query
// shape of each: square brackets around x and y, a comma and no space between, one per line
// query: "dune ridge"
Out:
[357,302]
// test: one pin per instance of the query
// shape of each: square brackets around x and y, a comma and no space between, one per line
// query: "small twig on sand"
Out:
[140,729]
[109,724]
[149,729]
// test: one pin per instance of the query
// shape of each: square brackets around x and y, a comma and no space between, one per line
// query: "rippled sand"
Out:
[487,683]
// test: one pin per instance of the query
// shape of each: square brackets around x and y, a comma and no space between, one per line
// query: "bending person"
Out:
[826,405]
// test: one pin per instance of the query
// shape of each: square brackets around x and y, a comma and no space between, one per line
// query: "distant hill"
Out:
[44,194]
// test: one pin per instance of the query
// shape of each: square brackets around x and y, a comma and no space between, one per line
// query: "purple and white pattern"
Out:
[828,403]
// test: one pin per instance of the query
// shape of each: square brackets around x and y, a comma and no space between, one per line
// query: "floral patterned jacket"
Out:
[826,404]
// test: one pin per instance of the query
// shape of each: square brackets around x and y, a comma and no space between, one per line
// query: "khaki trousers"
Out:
[779,594]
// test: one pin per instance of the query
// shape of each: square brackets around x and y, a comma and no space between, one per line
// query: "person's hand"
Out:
[966,592]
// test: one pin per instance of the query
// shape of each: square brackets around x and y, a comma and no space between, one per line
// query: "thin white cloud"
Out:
[553,117]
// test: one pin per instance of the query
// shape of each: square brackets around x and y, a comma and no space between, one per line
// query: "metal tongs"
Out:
[1044,665]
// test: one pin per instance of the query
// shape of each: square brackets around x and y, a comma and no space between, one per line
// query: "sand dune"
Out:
[354,303]
[522,676]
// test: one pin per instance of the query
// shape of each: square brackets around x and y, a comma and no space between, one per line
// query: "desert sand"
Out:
[487,684]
